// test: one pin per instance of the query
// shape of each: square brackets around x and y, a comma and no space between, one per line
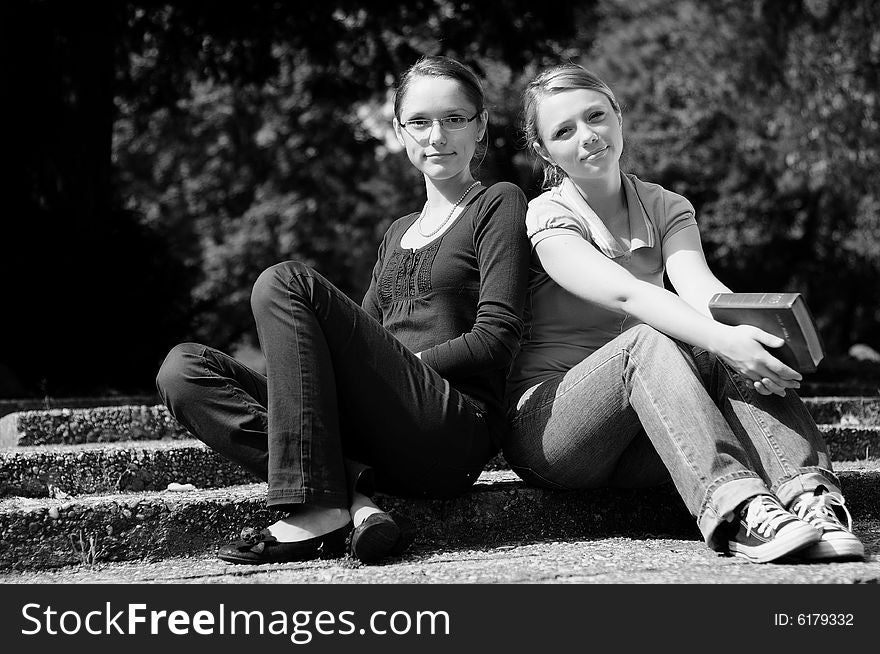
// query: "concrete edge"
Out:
[46,533]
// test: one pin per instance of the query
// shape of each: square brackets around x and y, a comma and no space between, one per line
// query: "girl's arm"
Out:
[688,271]
[576,265]
[370,303]
[503,252]
[691,276]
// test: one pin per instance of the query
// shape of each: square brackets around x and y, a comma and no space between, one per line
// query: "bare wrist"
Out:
[717,338]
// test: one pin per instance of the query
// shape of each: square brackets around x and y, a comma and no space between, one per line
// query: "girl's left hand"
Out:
[766,386]
[747,350]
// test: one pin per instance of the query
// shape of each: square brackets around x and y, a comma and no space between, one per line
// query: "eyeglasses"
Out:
[420,128]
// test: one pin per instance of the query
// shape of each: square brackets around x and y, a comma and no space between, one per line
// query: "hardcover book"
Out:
[782,314]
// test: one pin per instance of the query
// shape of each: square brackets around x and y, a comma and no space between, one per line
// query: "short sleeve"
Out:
[547,217]
[677,215]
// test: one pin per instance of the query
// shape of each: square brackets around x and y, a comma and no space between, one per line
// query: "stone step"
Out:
[11,405]
[143,422]
[45,533]
[850,443]
[92,468]
[92,425]
[846,410]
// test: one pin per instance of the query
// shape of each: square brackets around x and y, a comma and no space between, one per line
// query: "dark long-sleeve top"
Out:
[459,300]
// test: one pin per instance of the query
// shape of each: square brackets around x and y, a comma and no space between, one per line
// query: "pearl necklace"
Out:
[448,218]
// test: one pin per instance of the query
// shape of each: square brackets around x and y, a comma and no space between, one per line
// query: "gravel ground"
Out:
[611,560]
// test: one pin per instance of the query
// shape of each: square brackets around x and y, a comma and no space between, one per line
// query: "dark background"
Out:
[160,155]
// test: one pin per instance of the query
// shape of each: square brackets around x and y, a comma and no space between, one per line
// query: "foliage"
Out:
[765,115]
[263,136]
[170,151]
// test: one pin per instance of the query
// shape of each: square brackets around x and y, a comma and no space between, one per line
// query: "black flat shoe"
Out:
[380,535]
[262,547]
[407,533]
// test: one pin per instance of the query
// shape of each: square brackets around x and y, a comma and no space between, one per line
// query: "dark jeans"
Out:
[339,389]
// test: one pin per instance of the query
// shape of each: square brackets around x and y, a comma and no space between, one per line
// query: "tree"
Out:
[267,141]
[82,282]
[764,114]
[168,151]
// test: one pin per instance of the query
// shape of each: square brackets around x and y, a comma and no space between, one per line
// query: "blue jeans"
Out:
[644,409]
[341,394]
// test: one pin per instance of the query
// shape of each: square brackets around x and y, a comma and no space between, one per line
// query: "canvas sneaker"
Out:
[765,531]
[822,509]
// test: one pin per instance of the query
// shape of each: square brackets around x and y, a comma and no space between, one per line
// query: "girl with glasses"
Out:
[402,394]
[620,382]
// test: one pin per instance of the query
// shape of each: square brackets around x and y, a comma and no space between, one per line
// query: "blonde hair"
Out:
[564,77]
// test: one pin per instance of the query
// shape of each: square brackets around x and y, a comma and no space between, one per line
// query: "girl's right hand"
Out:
[743,348]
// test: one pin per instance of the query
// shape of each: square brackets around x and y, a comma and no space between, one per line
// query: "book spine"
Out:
[790,330]
[754,300]
[811,333]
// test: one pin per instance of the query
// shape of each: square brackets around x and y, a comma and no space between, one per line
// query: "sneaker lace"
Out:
[764,514]
[819,511]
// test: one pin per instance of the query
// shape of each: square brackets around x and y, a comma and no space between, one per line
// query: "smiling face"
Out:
[441,154]
[580,132]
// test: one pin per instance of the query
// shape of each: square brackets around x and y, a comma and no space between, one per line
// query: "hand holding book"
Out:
[782,314]
[748,350]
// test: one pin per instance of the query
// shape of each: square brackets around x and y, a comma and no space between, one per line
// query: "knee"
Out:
[176,369]
[274,280]
[648,337]
[645,345]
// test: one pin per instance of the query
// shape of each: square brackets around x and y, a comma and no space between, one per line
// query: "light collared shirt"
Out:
[561,329]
